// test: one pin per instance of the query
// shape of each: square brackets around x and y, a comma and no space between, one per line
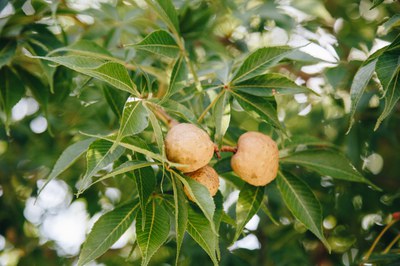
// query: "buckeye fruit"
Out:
[188,145]
[257,159]
[206,176]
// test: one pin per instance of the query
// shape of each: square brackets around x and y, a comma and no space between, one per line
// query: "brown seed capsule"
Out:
[187,144]
[206,176]
[257,159]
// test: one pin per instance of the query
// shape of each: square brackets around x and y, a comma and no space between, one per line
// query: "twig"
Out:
[166,118]
[371,249]
[225,148]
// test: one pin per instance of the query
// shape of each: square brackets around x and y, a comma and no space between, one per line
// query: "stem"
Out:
[391,244]
[224,149]
[371,249]
[228,149]
[209,106]
[166,118]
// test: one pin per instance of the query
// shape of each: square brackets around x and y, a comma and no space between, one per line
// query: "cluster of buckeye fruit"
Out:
[255,159]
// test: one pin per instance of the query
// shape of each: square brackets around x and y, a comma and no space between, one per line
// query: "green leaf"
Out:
[306,140]
[178,77]
[11,91]
[376,3]
[41,41]
[69,156]
[86,48]
[259,61]
[166,11]
[360,81]
[152,234]
[387,69]
[199,229]
[327,163]
[128,144]
[222,116]
[393,22]
[201,197]
[302,203]
[39,90]
[269,84]
[145,181]
[181,214]
[107,230]
[159,42]
[258,107]
[134,119]
[179,109]
[248,204]
[98,156]
[7,51]
[218,216]
[126,167]
[158,134]
[110,72]
[115,100]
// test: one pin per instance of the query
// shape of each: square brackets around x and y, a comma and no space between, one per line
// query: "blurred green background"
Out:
[48,230]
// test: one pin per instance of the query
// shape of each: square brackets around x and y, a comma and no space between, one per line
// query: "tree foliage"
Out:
[88,93]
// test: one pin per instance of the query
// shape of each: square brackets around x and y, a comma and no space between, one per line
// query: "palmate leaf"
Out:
[269,84]
[40,41]
[151,235]
[248,204]
[116,101]
[218,216]
[107,230]
[302,203]
[166,11]
[157,130]
[126,167]
[222,116]
[38,89]
[181,214]
[159,42]
[98,156]
[360,81]
[145,181]
[69,156]
[199,229]
[327,163]
[390,24]
[85,48]
[11,91]
[387,69]
[7,51]
[258,107]
[129,144]
[179,109]
[259,61]
[178,77]
[201,196]
[110,72]
[134,119]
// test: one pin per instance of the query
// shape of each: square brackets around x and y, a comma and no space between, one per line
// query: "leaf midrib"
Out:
[115,228]
[253,69]
[316,229]
[255,106]
[247,216]
[92,172]
[204,241]
[121,132]
[294,161]
[150,232]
